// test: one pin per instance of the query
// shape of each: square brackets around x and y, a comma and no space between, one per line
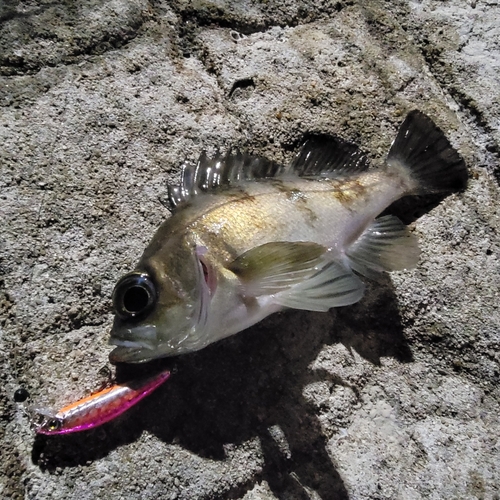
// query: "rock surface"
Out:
[100,103]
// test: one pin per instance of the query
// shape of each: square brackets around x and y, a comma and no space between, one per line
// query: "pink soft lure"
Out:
[98,408]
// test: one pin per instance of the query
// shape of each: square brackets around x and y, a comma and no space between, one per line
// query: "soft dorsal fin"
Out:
[219,171]
[327,156]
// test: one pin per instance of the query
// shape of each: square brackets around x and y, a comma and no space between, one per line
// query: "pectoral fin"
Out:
[274,267]
[386,245]
[333,285]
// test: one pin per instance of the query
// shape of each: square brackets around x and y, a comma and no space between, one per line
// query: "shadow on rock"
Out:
[251,385]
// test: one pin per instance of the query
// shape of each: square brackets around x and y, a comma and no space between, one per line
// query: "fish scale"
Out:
[325,211]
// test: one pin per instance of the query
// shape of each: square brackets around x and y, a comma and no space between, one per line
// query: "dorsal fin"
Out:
[321,156]
[327,156]
[219,171]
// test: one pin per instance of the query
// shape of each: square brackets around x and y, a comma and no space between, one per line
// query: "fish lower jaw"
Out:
[131,350]
[133,344]
[138,337]
[127,354]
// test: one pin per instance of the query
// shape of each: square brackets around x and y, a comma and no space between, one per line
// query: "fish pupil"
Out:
[136,299]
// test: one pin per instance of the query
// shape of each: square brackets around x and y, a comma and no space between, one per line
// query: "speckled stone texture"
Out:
[395,397]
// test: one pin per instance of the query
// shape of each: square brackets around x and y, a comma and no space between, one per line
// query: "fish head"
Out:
[161,308]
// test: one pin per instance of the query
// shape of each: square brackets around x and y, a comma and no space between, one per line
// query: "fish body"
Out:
[249,238]
[98,408]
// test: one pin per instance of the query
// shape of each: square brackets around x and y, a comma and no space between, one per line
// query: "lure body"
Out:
[98,408]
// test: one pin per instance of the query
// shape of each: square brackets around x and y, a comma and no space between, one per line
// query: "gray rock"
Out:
[394,397]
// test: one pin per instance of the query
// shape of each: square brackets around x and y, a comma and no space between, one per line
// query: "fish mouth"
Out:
[132,344]
[135,338]
[136,344]
[128,354]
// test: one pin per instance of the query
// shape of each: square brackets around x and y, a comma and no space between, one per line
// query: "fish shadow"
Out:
[251,386]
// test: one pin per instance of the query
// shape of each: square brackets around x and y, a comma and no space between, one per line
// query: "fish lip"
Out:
[139,337]
[124,354]
[140,344]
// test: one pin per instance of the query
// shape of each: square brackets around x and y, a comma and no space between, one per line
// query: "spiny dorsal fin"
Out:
[220,171]
[327,156]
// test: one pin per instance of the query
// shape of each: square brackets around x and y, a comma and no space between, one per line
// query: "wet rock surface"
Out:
[100,103]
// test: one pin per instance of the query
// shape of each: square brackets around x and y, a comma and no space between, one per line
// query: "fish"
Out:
[249,237]
[96,409]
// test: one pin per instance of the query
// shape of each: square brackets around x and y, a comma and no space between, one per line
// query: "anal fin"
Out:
[333,285]
[386,245]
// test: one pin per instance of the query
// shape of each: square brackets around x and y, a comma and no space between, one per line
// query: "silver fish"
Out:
[249,237]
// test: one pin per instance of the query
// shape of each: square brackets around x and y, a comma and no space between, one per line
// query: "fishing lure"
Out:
[98,408]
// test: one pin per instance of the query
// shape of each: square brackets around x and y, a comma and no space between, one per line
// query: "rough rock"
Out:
[100,103]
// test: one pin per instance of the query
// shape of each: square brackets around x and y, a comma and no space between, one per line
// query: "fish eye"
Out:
[134,295]
[54,424]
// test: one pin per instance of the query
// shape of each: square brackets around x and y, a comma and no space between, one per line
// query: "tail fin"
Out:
[422,153]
